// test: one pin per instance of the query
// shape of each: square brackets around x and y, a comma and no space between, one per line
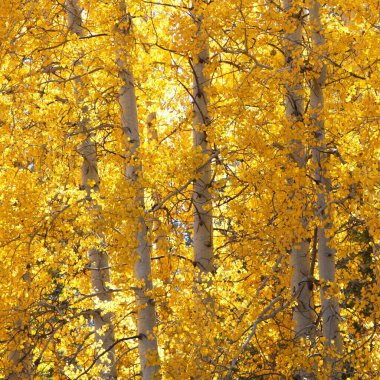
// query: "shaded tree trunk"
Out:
[326,254]
[294,104]
[302,286]
[99,263]
[100,273]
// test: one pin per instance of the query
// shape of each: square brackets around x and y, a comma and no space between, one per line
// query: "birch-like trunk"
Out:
[326,254]
[99,264]
[100,274]
[303,314]
[202,204]
[146,309]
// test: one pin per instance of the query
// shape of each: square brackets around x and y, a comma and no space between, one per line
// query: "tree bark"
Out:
[294,105]
[99,263]
[202,203]
[100,274]
[146,310]
[326,254]
[301,284]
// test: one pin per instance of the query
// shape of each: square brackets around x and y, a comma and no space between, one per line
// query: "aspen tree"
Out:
[264,196]
[155,222]
[202,203]
[302,287]
[99,262]
[326,254]
[303,314]
[21,358]
[146,310]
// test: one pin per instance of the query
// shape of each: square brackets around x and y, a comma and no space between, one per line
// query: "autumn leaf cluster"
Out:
[58,88]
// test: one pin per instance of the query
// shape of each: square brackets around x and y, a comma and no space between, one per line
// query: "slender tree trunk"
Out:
[326,254]
[302,287]
[155,223]
[99,263]
[100,273]
[203,236]
[294,104]
[146,310]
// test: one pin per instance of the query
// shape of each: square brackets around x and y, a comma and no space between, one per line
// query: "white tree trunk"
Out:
[146,310]
[300,259]
[146,313]
[99,263]
[202,204]
[301,284]
[326,255]
[100,274]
